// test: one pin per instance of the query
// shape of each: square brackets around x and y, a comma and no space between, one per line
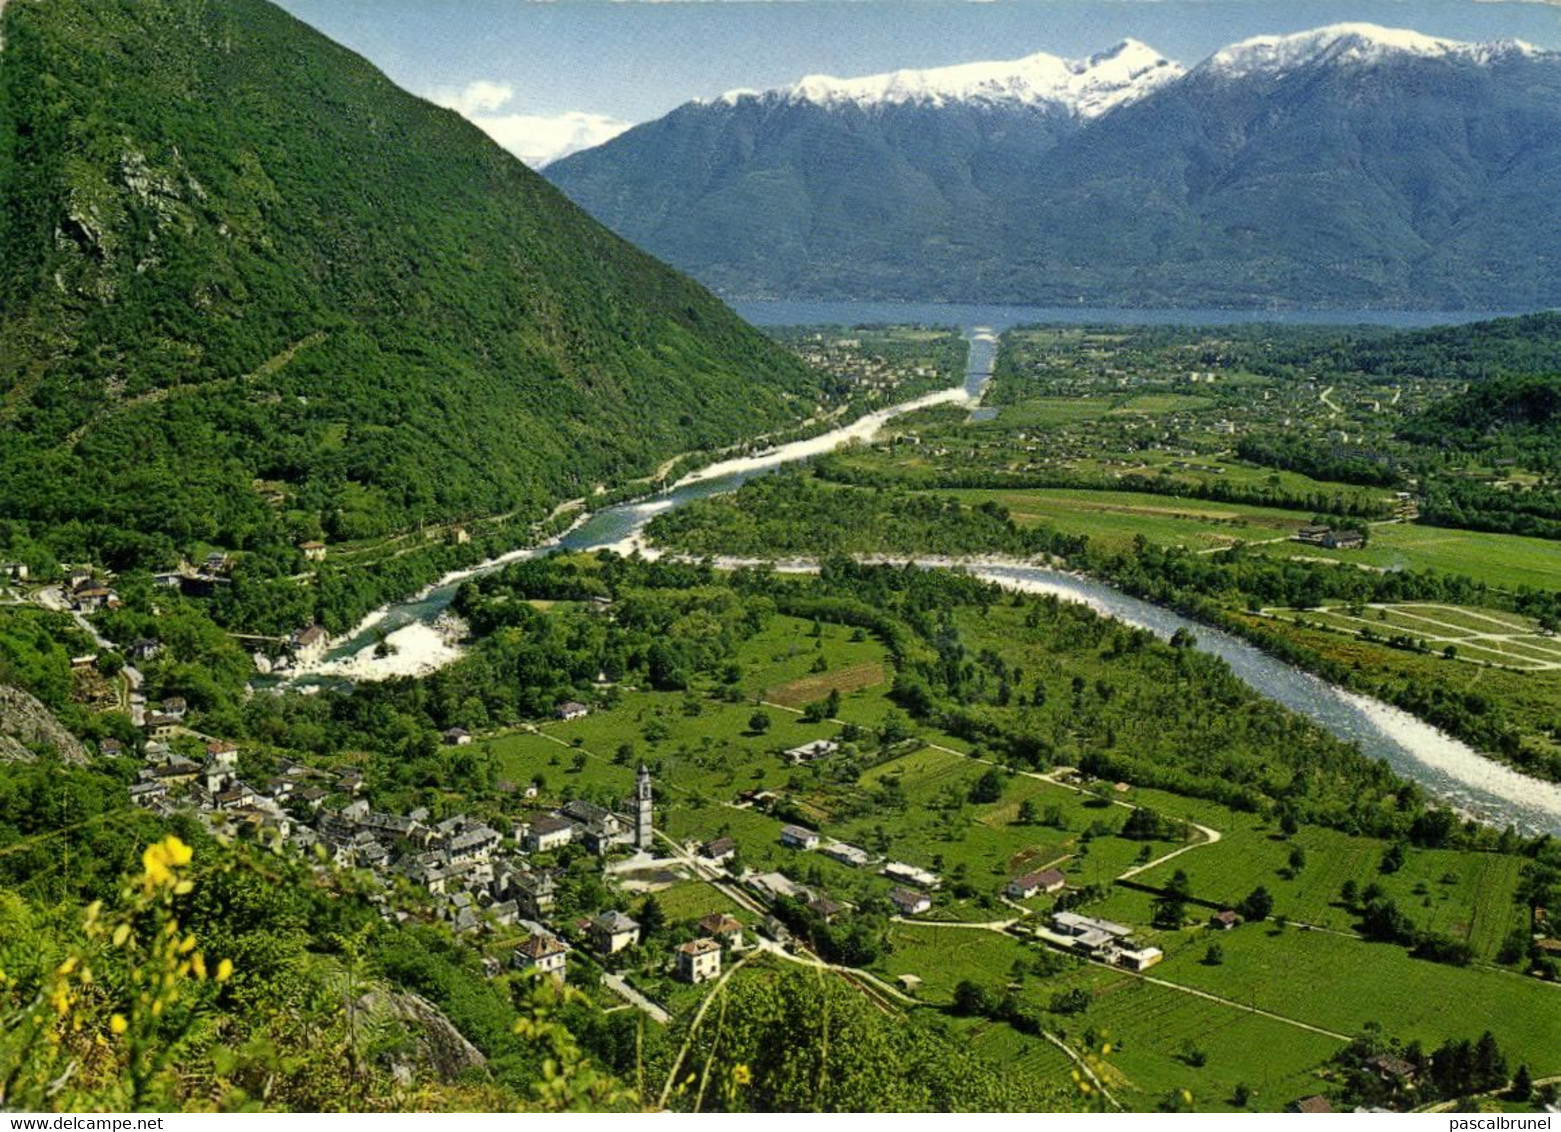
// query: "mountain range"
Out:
[251,292]
[1352,165]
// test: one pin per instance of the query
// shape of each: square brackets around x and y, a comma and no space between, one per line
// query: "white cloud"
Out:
[537,139]
[476,98]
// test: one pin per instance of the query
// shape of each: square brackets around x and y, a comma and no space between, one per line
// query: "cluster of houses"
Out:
[694,961]
[201,580]
[844,356]
[1100,940]
[86,593]
[910,896]
[476,878]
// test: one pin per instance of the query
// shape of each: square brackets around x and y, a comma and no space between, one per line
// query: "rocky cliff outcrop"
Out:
[27,727]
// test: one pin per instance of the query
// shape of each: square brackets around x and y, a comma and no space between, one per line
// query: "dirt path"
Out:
[266,368]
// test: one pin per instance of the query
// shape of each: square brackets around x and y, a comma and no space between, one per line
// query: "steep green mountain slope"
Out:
[252,292]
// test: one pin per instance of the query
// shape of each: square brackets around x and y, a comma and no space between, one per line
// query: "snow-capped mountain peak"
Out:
[1086,87]
[1347,43]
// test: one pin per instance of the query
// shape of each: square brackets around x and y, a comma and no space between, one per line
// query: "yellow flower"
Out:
[161,859]
[224,970]
[742,1075]
[121,933]
[118,1024]
[198,962]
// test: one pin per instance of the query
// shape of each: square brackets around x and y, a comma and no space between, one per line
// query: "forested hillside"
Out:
[251,293]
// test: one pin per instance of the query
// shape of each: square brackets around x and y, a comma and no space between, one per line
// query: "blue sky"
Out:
[545,77]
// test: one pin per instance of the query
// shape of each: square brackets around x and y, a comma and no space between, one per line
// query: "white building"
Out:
[910,874]
[798,837]
[814,750]
[545,954]
[611,932]
[846,854]
[698,960]
[548,833]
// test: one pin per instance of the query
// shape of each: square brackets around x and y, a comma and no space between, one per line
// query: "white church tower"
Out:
[642,810]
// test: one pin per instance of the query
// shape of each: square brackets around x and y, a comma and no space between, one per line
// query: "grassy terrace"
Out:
[1113,519]
[1508,561]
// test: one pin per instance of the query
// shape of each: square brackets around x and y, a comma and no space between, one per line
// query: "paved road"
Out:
[635,998]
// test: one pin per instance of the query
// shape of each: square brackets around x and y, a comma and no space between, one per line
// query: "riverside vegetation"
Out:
[1185,467]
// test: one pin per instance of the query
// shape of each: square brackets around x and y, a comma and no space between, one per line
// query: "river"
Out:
[1443,766]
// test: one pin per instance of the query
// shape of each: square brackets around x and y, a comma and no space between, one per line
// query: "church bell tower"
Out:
[642,810]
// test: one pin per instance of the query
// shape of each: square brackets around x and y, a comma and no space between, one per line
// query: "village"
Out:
[497,885]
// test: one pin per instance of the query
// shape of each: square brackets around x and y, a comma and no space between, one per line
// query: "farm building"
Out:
[909,902]
[1047,881]
[910,874]
[1140,959]
[719,851]
[846,854]
[798,837]
[808,752]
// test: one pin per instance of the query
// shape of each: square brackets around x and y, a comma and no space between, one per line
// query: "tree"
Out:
[1169,912]
[989,787]
[972,1000]
[1393,859]
[1258,905]
[1490,1066]
[759,722]
[1027,812]
[652,918]
[1349,892]
[1522,1084]
[895,728]
[1214,955]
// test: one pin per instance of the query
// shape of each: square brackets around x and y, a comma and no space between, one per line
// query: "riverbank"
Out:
[355,655]
[1474,784]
